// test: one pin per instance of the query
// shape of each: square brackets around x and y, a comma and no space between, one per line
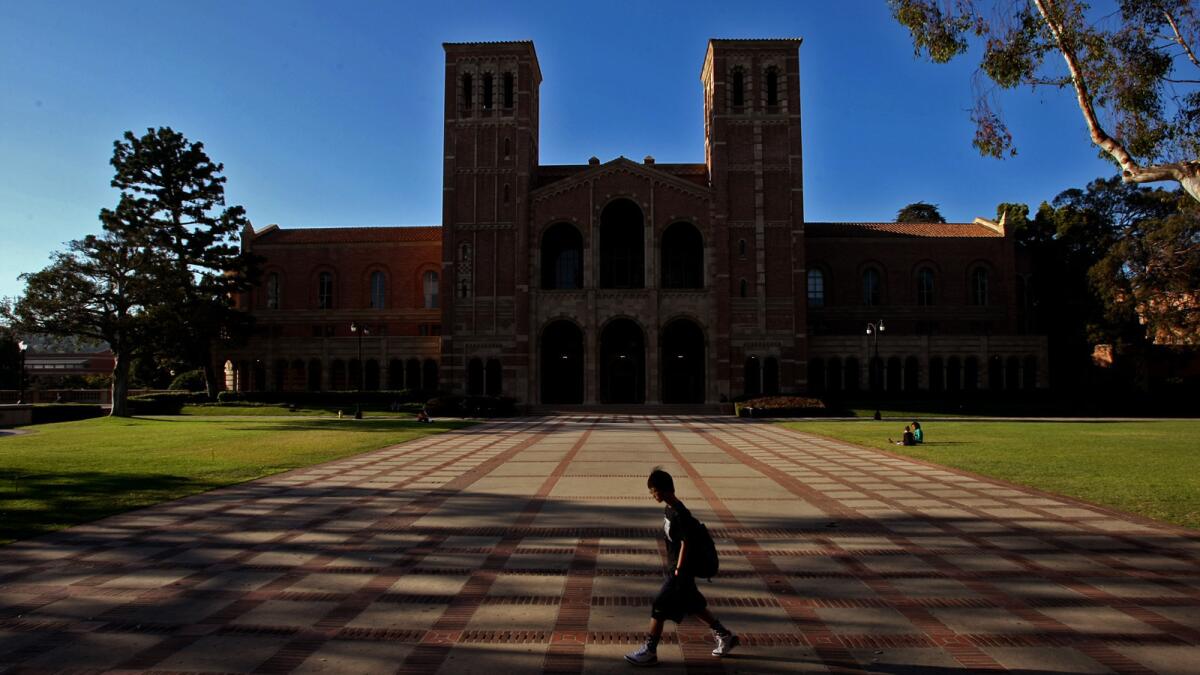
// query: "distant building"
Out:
[629,282]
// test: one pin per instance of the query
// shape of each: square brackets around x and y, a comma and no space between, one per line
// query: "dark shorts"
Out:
[677,598]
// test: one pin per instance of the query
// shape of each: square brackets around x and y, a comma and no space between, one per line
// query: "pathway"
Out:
[532,545]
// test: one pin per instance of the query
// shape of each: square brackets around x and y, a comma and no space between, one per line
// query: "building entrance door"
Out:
[623,363]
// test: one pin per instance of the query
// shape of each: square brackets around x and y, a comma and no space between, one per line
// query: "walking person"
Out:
[689,551]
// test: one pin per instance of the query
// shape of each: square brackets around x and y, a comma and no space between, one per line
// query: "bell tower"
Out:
[490,158]
[753,152]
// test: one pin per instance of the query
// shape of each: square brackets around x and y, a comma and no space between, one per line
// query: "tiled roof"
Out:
[971,230]
[348,235]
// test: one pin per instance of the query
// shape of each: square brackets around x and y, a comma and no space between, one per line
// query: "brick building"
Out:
[631,282]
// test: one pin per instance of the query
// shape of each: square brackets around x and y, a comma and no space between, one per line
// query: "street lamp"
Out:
[361,331]
[874,329]
[21,347]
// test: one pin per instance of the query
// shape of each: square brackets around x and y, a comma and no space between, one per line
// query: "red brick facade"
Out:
[634,281]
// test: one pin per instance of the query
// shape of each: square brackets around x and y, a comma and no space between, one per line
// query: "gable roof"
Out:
[974,230]
[621,163]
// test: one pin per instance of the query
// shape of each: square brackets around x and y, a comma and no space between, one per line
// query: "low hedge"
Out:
[163,403]
[782,406]
[66,412]
[454,405]
[315,399]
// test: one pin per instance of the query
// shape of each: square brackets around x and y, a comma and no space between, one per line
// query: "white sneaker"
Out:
[725,644]
[643,657]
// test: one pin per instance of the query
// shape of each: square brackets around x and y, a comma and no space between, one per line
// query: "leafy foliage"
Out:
[920,212]
[1132,72]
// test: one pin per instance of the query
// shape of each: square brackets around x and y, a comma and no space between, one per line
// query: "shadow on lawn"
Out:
[52,501]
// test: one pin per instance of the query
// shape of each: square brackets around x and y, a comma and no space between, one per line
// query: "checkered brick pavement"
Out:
[531,545]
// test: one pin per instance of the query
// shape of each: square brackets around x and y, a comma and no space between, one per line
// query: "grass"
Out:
[73,472]
[1150,468]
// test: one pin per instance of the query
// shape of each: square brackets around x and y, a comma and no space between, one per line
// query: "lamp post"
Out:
[874,329]
[22,348]
[361,331]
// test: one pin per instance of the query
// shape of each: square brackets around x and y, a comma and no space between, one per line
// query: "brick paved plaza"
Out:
[531,545]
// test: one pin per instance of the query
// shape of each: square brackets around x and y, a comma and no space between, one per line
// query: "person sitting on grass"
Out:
[907,439]
[678,596]
[918,435]
[423,417]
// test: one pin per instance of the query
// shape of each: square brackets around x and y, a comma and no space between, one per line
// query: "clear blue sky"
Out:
[329,114]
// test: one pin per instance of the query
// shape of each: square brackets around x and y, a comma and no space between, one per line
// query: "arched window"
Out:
[741,248]
[742,288]
[682,257]
[816,375]
[475,377]
[622,246]
[337,375]
[509,92]
[507,194]
[912,373]
[429,375]
[925,286]
[325,290]
[971,373]
[562,257]
[752,375]
[816,288]
[937,374]
[851,371]
[431,290]
[378,290]
[979,286]
[468,92]
[273,291]
[487,91]
[492,378]
[395,375]
[507,150]
[872,287]
[771,375]
[772,87]
[739,88]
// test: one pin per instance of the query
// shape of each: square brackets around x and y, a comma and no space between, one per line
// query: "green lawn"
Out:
[73,472]
[258,410]
[1149,468]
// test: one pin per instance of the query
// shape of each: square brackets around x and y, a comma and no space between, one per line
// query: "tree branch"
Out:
[1186,173]
[1179,39]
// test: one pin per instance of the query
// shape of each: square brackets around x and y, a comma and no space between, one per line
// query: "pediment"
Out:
[618,166]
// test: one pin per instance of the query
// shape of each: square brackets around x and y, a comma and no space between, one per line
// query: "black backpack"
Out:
[702,558]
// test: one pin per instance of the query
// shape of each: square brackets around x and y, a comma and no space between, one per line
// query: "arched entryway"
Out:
[622,363]
[622,246]
[562,363]
[682,362]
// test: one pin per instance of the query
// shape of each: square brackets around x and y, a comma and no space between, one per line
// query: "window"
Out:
[816,288]
[739,88]
[871,287]
[741,248]
[742,288]
[506,193]
[487,91]
[273,291]
[772,87]
[429,329]
[431,290]
[979,286]
[325,290]
[509,92]
[464,252]
[378,290]
[925,287]
[468,92]
[507,148]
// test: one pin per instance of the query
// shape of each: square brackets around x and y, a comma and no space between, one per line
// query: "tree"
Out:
[920,212]
[1132,73]
[10,358]
[171,194]
[1152,273]
[98,288]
